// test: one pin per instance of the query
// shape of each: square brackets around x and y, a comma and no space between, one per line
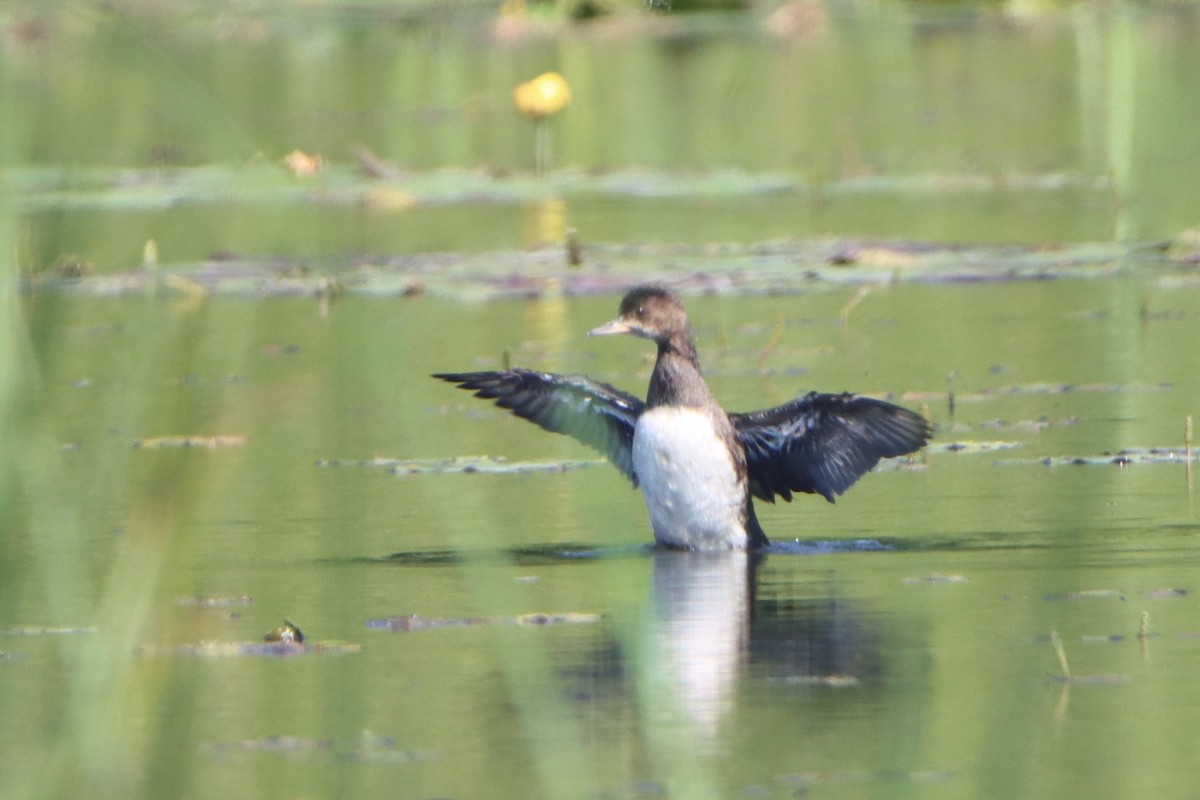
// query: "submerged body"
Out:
[697,465]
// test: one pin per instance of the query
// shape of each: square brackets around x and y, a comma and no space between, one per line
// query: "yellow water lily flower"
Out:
[544,96]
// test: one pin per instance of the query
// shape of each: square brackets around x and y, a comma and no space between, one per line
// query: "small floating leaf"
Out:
[38,630]
[803,780]
[412,622]
[570,618]
[1163,594]
[1124,458]
[970,446]
[281,649]
[1036,389]
[1086,594]
[933,578]
[462,465]
[1030,425]
[213,602]
[833,681]
[207,442]
[371,748]
[749,269]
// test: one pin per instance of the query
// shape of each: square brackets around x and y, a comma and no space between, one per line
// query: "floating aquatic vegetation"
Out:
[833,681]
[412,622]
[1163,594]
[970,446]
[1076,388]
[461,465]
[205,442]
[1086,594]
[38,630]
[274,649]
[370,748]
[346,183]
[933,578]
[1031,425]
[214,602]
[786,266]
[803,780]
[1019,426]
[1040,389]
[1070,679]
[1121,458]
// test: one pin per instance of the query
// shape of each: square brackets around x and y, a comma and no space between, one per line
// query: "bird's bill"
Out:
[610,328]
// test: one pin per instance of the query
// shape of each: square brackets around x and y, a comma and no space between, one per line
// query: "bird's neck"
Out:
[676,379]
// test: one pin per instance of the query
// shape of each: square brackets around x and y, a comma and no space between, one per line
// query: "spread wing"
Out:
[823,443]
[592,412]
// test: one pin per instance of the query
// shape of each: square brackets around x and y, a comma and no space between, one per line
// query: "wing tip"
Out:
[454,377]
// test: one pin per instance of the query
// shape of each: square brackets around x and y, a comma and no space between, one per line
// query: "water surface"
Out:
[510,634]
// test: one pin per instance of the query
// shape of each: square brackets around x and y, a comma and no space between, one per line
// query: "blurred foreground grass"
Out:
[82,737]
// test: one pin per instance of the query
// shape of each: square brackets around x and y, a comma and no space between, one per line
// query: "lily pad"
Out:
[1087,594]
[969,446]
[832,681]
[462,465]
[203,442]
[214,602]
[370,748]
[1029,425]
[1163,594]
[412,622]
[277,649]
[348,183]
[1121,458]
[771,267]
[987,394]
[38,630]
[933,578]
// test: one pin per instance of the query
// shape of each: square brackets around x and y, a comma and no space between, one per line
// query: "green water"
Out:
[902,649]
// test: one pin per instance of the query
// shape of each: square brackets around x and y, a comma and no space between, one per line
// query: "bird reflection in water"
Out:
[699,627]
[711,626]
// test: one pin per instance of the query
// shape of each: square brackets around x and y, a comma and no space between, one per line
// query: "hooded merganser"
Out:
[697,465]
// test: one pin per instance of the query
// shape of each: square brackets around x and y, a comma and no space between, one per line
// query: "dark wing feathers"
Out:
[818,443]
[823,443]
[592,412]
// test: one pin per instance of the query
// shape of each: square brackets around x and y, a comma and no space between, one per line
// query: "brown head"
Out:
[655,313]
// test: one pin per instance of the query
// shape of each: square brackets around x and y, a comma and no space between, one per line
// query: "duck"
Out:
[699,467]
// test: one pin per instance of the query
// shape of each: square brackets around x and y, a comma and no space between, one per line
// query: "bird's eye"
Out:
[641,312]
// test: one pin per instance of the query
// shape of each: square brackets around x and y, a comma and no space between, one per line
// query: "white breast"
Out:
[688,479]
